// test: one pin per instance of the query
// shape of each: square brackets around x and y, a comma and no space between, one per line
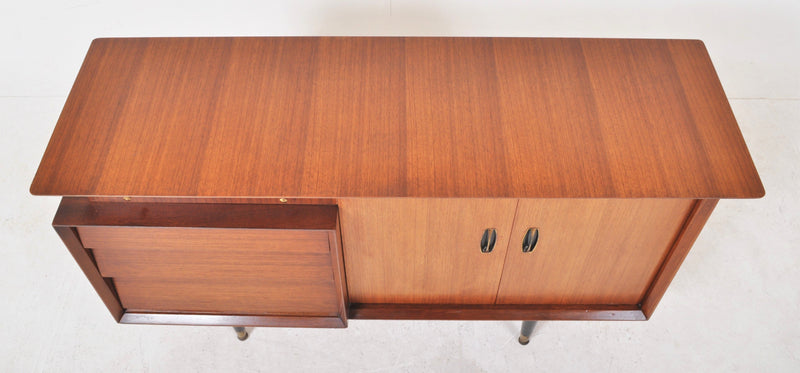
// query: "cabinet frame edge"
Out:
[162,318]
[104,287]
[339,273]
[686,237]
[75,212]
[379,311]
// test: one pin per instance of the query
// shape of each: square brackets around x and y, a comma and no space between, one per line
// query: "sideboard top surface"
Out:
[397,117]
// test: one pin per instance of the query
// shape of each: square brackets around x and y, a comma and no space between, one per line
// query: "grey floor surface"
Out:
[733,306]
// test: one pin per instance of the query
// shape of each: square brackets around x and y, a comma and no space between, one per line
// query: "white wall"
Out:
[733,305]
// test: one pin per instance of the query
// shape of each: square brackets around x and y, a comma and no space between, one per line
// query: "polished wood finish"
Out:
[590,251]
[235,271]
[104,287]
[335,117]
[281,293]
[339,273]
[205,239]
[208,262]
[424,250]
[257,201]
[82,211]
[494,312]
[694,223]
[196,264]
[141,317]
[273,181]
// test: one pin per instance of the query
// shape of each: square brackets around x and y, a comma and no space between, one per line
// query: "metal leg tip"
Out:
[241,332]
[523,340]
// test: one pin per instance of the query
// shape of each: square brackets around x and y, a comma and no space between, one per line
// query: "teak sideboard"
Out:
[305,181]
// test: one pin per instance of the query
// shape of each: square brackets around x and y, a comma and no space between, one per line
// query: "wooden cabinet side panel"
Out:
[590,251]
[691,229]
[103,287]
[423,250]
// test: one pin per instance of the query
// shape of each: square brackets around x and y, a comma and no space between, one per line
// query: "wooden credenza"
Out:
[305,181]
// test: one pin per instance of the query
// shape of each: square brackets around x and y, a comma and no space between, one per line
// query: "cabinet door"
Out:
[589,251]
[405,250]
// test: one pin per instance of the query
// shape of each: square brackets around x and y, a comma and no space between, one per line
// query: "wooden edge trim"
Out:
[494,312]
[232,320]
[78,211]
[102,286]
[234,200]
[689,232]
[337,263]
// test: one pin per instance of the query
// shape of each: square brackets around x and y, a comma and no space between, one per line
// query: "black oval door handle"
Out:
[488,240]
[530,240]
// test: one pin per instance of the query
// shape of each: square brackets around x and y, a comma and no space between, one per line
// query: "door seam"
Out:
[508,250]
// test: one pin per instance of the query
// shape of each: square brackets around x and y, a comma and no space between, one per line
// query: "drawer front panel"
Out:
[228,295]
[187,263]
[217,270]
[589,251]
[143,238]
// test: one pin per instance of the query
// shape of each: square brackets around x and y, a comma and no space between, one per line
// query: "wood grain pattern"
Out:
[82,211]
[205,239]
[544,84]
[494,312]
[231,295]
[590,251]
[336,117]
[453,119]
[189,268]
[250,200]
[183,263]
[187,147]
[423,250]
[700,213]
[724,145]
[224,271]
[355,135]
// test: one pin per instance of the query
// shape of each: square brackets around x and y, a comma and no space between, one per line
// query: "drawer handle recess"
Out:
[530,240]
[488,240]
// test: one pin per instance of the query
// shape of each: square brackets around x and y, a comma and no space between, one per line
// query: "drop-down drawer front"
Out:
[266,268]
[211,270]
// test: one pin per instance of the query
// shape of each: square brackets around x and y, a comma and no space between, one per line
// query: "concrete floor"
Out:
[732,307]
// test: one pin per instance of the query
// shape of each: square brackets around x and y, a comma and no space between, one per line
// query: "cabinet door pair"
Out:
[428,251]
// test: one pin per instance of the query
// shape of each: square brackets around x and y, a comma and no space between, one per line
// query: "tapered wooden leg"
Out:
[526,331]
[241,332]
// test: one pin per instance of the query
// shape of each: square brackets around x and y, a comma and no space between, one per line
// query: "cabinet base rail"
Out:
[494,312]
